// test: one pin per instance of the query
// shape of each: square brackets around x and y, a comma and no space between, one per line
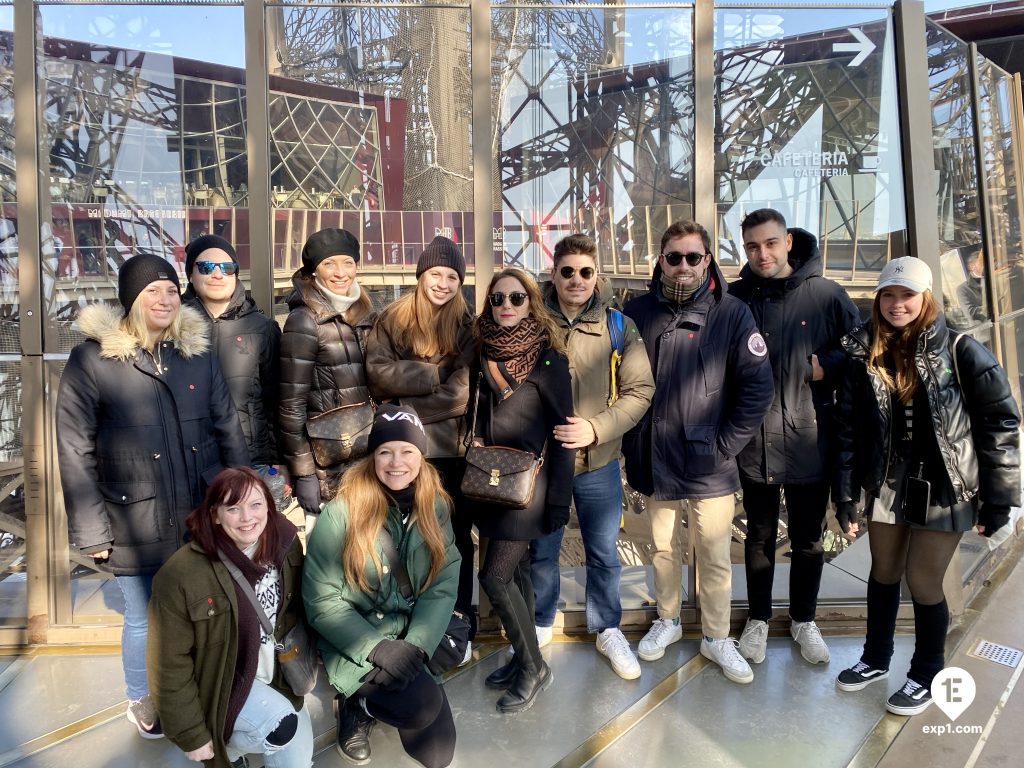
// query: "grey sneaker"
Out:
[725,653]
[613,644]
[142,714]
[808,637]
[661,635]
[754,640]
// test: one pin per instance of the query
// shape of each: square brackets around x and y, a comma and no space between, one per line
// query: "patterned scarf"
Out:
[514,349]
[680,295]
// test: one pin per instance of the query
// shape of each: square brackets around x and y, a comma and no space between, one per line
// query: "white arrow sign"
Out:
[862,47]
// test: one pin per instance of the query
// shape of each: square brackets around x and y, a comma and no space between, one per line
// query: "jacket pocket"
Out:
[211,620]
[712,367]
[132,510]
[701,450]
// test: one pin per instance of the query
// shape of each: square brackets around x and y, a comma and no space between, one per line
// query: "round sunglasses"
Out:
[207,267]
[517,298]
[675,257]
[585,272]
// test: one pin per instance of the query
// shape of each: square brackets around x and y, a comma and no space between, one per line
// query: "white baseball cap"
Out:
[907,271]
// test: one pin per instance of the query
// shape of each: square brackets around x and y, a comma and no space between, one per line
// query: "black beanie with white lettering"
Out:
[397,422]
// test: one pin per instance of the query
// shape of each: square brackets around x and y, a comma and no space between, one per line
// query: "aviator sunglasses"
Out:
[567,272]
[207,267]
[517,298]
[674,257]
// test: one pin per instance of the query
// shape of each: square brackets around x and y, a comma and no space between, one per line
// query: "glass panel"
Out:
[594,111]
[995,101]
[13,562]
[143,130]
[142,133]
[808,123]
[370,121]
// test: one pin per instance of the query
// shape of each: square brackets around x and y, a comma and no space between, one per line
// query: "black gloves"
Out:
[400,660]
[847,515]
[993,518]
[307,491]
[556,517]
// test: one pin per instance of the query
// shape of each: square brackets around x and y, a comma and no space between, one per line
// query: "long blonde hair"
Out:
[134,324]
[538,310]
[367,504]
[416,324]
[902,344]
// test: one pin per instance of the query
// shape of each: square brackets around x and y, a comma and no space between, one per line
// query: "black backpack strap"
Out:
[397,566]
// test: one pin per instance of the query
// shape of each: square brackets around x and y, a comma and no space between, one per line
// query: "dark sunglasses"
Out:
[498,299]
[585,272]
[674,257]
[207,267]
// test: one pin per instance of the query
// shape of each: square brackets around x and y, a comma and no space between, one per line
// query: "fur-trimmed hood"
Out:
[102,324]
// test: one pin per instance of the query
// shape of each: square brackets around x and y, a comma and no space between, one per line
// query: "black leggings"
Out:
[451,470]
[923,555]
[505,577]
[422,716]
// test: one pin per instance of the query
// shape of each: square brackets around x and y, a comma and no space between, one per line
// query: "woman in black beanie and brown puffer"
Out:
[144,422]
[321,357]
[523,393]
[419,354]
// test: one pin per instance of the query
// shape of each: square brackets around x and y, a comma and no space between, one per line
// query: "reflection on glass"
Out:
[807,123]
[594,131]
[144,132]
[370,126]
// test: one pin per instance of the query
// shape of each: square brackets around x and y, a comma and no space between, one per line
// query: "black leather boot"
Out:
[354,726]
[502,677]
[527,684]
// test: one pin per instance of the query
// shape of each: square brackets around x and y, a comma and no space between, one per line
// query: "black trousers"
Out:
[805,505]
[422,716]
[451,470]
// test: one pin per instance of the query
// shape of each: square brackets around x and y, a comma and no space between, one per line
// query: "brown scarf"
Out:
[514,349]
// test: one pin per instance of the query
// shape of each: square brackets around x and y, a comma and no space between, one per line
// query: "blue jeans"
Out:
[598,497]
[136,591]
[261,713]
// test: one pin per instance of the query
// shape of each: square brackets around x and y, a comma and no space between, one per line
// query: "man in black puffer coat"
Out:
[802,316]
[247,342]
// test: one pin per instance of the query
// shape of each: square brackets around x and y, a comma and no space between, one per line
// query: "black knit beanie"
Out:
[326,243]
[442,252]
[195,249]
[397,422]
[138,272]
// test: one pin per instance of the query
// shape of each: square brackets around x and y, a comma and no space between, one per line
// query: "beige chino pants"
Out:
[710,527]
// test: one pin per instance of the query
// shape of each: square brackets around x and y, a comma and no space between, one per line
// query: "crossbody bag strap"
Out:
[476,407]
[250,593]
[504,390]
[397,566]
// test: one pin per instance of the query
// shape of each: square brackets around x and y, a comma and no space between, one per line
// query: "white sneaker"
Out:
[754,640]
[544,635]
[613,644]
[725,653]
[661,635]
[808,637]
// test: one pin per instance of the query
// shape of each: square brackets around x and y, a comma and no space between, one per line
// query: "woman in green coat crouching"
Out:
[374,642]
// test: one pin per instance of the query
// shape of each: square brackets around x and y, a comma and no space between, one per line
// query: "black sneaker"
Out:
[142,714]
[912,699]
[859,677]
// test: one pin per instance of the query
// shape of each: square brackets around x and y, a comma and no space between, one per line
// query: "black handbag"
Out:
[504,477]
[296,652]
[451,650]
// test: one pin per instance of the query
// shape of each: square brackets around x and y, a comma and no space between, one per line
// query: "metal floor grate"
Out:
[1000,654]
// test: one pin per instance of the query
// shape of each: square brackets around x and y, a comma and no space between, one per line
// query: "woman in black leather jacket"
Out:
[927,427]
[321,357]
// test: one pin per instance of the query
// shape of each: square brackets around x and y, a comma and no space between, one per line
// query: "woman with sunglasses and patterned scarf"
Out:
[247,342]
[521,392]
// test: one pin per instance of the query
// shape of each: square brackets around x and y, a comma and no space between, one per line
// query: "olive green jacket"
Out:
[351,622]
[590,350]
[192,645]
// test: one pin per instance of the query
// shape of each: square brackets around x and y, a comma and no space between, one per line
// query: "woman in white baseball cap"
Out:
[927,428]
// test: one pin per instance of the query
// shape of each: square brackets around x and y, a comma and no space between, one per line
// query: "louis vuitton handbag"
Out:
[505,477]
[340,434]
